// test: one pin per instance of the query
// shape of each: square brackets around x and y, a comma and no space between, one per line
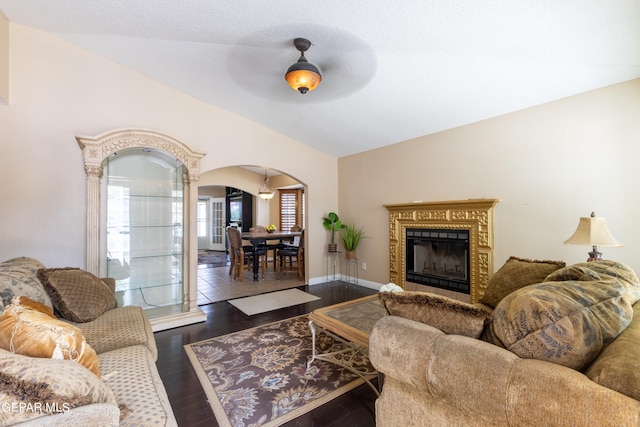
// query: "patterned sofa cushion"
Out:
[18,276]
[133,328]
[567,322]
[517,273]
[62,384]
[77,294]
[624,275]
[449,315]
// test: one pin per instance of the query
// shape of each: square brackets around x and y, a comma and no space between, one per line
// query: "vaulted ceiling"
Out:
[391,71]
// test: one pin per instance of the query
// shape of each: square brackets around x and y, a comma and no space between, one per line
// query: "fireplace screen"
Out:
[438,258]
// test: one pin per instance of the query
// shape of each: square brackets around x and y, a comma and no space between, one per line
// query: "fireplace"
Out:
[438,258]
[442,247]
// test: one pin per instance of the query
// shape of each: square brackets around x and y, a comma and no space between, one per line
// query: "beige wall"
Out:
[60,91]
[548,165]
[4,59]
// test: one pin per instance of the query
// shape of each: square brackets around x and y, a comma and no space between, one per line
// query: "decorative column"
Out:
[190,298]
[94,171]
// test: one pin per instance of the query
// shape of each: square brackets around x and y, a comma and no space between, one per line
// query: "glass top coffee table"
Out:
[350,323]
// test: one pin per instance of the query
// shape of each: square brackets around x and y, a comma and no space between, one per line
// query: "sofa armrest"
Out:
[400,347]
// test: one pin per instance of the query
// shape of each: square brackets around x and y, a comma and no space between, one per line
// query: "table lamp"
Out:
[592,231]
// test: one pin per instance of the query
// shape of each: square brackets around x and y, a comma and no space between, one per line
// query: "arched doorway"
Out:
[214,282]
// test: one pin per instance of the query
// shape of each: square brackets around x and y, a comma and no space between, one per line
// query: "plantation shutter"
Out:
[291,209]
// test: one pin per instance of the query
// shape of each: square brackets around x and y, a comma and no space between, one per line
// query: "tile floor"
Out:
[215,284]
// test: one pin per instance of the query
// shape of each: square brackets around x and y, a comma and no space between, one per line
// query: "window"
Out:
[291,208]
[202,218]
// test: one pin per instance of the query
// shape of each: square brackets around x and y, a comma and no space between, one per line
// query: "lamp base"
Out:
[594,255]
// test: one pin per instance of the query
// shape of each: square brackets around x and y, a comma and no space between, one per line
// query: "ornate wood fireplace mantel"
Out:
[475,215]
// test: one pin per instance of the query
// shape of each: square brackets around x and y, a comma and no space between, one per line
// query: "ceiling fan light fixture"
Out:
[303,76]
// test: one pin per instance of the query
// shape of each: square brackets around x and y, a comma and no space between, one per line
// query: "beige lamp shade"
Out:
[592,231]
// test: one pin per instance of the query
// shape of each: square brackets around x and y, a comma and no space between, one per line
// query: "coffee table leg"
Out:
[313,343]
[327,356]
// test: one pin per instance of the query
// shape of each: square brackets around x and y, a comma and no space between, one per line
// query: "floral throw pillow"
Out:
[18,276]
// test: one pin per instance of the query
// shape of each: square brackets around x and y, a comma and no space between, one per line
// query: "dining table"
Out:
[261,237]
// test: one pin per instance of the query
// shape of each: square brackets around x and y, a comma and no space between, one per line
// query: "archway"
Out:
[246,179]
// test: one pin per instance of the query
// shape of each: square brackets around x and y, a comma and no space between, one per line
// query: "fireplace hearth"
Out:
[442,247]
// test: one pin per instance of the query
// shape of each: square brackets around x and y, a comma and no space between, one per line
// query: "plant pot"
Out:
[351,255]
[333,247]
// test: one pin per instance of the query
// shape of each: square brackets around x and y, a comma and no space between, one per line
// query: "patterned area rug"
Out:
[259,376]
[213,258]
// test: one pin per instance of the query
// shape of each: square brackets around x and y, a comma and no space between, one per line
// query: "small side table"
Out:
[334,266]
[351,275]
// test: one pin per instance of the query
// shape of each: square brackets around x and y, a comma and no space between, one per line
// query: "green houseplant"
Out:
[332,223]
[351,237]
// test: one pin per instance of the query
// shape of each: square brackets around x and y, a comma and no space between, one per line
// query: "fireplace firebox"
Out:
[438,258]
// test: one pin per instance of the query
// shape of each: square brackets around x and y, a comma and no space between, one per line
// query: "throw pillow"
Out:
[27,328]
[54,385]
[567,323]
[573,272]
[18,276]
[447,314]
[517,273]
[77,294]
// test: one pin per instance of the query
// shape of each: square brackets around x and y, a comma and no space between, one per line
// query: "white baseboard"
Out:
[176,320]
[361,282]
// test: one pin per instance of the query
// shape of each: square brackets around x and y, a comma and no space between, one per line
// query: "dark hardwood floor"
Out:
[189,403]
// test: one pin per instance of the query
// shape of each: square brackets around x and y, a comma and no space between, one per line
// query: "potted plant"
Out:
[332,223]
[351,237]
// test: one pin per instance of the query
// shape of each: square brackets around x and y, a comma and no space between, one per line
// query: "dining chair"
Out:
[244,254]
[295,254]
[294,228]
[232,252]
[273,247]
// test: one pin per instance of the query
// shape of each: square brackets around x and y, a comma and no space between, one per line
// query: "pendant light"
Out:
[303,76]
[265,192]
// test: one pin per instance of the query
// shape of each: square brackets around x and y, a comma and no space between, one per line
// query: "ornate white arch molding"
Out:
[96,149]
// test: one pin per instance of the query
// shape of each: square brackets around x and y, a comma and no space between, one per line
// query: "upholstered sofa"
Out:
[70,356]
[548,345]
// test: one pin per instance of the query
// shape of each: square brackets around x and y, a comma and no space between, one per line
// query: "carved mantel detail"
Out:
[475,215]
